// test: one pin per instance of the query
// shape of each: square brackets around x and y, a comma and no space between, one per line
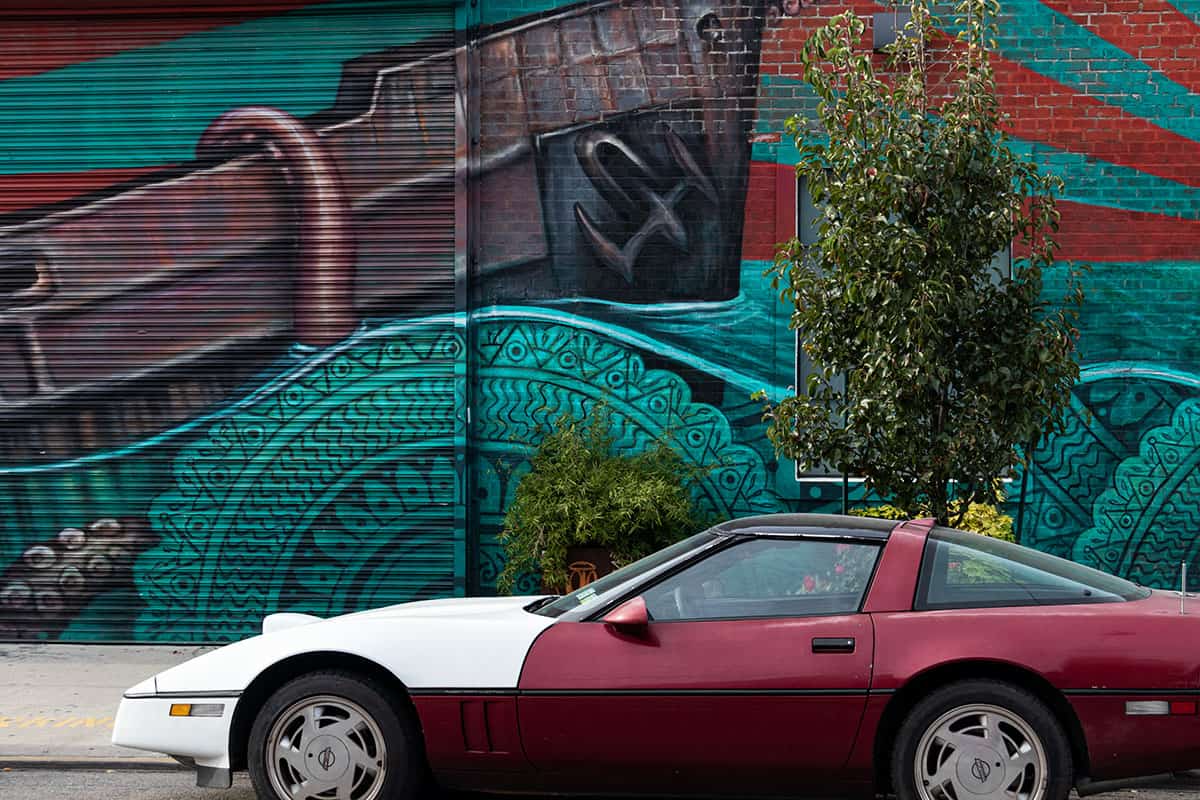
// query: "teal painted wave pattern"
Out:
[1100,491]
[250,489]
[337,490]
[1148,521]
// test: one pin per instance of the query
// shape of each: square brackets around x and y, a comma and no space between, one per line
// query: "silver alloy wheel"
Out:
[980,752]
[326,748]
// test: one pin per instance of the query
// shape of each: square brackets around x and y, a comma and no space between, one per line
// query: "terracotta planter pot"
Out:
[584,565]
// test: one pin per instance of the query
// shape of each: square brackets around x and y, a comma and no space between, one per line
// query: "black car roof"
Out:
[808,525]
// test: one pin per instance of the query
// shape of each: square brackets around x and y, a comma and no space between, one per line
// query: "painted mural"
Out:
[234,372]
[279,332]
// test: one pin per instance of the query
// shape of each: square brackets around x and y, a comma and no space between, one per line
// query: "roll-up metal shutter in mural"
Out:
[230,366]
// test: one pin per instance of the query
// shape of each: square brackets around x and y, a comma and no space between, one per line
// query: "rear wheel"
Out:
[981,740]
[334,736]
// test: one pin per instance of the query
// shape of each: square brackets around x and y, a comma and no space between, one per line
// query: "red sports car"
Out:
[779,655]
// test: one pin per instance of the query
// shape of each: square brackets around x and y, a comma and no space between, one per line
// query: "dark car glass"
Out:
[968,570]
[770,577]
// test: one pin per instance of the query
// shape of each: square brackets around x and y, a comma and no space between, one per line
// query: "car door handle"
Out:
[833,644]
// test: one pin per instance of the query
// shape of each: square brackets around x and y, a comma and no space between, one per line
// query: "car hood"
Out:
[457,643]
[449,607]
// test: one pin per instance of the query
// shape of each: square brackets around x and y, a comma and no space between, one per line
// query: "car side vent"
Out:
[490,726]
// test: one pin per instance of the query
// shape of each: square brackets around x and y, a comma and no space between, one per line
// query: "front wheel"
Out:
[334,736]
[981,740]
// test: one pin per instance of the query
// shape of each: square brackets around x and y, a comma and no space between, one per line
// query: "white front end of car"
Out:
[187,712]
[193,729]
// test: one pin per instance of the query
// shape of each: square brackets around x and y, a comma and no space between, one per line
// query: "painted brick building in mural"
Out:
[287,293]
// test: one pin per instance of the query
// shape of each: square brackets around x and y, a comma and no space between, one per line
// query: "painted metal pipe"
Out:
[323,299]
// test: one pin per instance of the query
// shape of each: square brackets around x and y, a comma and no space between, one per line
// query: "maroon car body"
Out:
[793,705]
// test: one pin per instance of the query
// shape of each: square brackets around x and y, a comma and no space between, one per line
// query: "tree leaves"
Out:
[950,367]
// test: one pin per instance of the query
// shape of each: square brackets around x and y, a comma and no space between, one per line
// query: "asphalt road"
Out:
[44,784]
[131,785]
[125,785]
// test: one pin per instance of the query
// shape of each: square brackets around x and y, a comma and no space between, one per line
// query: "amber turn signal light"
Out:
[197,709]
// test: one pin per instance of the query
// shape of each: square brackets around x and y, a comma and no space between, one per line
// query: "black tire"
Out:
[400,761]
[956,698]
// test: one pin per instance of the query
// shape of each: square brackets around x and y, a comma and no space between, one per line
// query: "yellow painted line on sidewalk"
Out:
[56,722]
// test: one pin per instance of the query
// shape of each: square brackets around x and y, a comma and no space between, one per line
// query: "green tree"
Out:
[951,371]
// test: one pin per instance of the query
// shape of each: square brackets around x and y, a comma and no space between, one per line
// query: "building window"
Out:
[808,220]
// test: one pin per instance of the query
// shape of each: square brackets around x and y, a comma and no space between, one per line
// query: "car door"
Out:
[752,675]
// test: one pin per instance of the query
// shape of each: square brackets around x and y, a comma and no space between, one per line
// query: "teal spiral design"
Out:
[1113,489]
[531,373]
[1148,521]
[335,489]
[247,493]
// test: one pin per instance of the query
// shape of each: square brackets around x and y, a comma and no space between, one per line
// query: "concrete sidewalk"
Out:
[57,702]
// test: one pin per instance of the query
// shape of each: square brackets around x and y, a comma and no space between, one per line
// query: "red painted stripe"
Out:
[1047,111]
[761,232]
[1152,31]
[76,8]
[1044,110]
[786,209]
[29,191]
[1086,233]
[1094,233]
[50,36]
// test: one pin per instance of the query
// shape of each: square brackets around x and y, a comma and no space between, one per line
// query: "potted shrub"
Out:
[583,509]
[983,518]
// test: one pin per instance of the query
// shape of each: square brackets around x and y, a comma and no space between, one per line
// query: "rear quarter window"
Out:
[968,570]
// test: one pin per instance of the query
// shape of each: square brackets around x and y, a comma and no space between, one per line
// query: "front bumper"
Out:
[145,723]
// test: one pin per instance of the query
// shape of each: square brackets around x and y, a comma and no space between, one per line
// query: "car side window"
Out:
[967,570]
[781,577]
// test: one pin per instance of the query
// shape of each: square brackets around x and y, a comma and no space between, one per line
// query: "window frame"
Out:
[734,540]
[805,223]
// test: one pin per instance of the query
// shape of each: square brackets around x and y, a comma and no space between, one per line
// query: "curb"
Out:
[1169,781]
[89,763]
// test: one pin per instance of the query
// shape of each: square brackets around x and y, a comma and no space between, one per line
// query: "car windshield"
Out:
[587,594]
[967,570]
